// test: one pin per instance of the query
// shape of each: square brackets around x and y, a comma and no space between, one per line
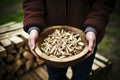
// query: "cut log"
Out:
[28,55]
[7,24]
[11,49]
[34,65]
[6,42]
[21,50]
[2,52]
[42,73]
[101,58]
[28,65]
[17,41]
[97,62]
[95,67]
[17,56]
[10,58]
[39,61]
[25,36]
[11,28]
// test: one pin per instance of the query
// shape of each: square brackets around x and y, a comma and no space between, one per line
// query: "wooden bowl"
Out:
[61,62]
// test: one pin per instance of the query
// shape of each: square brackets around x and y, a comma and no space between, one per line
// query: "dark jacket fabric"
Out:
[77,13]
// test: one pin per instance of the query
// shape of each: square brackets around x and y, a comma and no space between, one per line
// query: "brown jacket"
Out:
[77,13]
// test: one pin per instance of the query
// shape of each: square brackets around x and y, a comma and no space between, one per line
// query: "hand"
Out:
[91,38]
[34,35]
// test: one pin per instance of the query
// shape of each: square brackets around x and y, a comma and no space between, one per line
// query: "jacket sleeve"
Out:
[33,14]
[99,16]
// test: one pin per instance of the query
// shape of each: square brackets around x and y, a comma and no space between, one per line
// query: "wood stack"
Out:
[15,56]
[101,67]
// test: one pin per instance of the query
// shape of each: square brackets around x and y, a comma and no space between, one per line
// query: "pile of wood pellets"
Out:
[62,43]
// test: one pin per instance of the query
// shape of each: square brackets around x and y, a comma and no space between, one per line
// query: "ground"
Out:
[109,47]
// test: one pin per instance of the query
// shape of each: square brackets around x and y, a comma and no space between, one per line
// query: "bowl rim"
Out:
[68,59]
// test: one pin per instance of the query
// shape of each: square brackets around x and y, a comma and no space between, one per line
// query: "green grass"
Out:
[105,44]
[8,16]
[13,16]
[110,43]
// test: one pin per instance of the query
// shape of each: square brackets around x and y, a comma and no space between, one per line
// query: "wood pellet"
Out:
[62,44]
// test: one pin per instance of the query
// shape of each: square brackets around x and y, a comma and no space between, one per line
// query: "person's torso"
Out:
[67,12]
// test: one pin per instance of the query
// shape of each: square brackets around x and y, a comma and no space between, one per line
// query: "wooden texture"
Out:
[6,42]
[10,27]
[42,73]
[2,52]
[7,25]
[17,41]
[14,62]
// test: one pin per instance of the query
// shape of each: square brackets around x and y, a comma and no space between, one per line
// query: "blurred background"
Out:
[11,10]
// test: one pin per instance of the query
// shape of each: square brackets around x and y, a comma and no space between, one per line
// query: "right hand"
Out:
[34,36]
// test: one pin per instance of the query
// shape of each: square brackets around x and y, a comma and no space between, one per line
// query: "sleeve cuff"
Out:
[33,28]
[89,28]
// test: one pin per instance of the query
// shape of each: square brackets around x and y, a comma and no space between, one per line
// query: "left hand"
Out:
[91,38]
[33,37]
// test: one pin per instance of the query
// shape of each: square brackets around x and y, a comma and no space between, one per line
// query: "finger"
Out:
[33,47]
[32,43]
[91,43]
[89,54]
[92,47]
[34,53]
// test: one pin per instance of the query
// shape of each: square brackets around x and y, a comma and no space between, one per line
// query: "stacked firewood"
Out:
[15,56]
